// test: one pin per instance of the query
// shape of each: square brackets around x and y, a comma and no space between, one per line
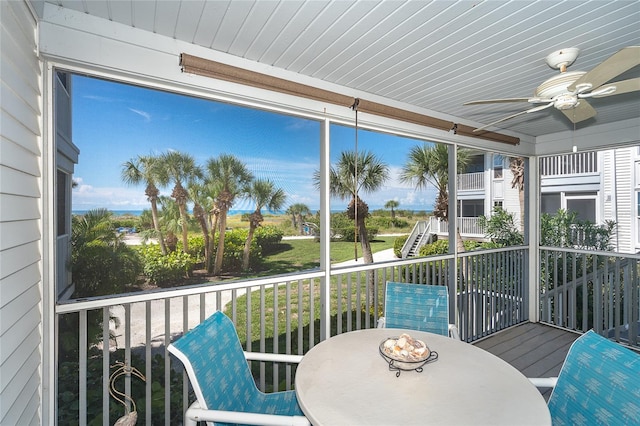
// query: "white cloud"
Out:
[143,114]
[86,197]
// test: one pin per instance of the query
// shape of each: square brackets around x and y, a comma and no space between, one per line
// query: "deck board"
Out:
[536,350]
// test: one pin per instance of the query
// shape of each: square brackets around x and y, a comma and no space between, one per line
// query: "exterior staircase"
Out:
[420,236]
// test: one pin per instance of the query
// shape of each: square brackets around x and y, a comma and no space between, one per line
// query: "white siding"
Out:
[20,214]
[623,178]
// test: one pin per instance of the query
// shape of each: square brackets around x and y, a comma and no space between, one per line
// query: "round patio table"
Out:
[345,381]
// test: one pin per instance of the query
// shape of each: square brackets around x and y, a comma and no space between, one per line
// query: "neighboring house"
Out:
[598,186]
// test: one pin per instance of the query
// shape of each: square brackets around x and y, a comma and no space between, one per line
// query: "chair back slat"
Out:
[417,307]
[219,366]
[599,383]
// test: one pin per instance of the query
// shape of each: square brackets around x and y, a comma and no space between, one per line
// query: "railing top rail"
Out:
[491,251]
[395,262]
[596,252]
[76,305]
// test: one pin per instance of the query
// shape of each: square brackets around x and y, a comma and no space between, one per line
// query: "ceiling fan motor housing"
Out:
[557,85]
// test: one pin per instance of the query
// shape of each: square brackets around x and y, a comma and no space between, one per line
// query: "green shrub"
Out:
[101,263]
[442,247]
[268,238]
[196,248]
[234,248]
[161,270]
[347,233]
[386,222]
[125,221]
[398,244]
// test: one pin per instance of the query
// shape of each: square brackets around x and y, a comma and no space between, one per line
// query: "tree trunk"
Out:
[247,247]
[156,226]
[185,239]
[198,212]
[217,267]
[463,261]
[212,241]
[367,257]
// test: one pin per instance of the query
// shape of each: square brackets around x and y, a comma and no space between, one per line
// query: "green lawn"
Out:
[304,254]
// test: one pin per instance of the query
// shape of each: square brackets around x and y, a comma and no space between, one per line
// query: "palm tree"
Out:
[170,220]
[264,194]
[202,205]
[181,169]
[298,211]
[348,179]
[230,177]
[144,169]
[516,165]
[429,165]
[392,204]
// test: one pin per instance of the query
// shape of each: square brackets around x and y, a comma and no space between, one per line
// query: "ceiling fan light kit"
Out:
[567,91]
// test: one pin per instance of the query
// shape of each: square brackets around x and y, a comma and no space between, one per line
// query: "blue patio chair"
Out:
[418,307]
[222,382]
[599,383]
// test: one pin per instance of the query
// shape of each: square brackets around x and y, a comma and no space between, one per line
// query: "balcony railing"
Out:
[490,295]
[470,181]
[582,289]
[569,164]
[468,226]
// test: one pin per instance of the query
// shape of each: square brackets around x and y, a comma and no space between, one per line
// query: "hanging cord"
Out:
[355,189]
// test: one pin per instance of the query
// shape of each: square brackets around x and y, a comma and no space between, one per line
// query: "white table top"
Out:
[345,381]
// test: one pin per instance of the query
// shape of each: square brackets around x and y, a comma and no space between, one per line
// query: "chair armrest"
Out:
[382,322]
[196,414]
[544,382]
[453,332]
[258,356]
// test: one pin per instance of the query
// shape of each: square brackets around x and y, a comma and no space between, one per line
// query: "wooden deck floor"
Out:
[537,350]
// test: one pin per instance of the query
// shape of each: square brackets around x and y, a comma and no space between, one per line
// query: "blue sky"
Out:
[114,122]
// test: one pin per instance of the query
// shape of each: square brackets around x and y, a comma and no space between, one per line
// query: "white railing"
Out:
[467,181]
[586,289]
[569,164]
[468,226]
[489,295]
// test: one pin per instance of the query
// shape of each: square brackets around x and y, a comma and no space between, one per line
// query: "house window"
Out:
[498,165]
[584,204]
[550,203]
[62,218]
[471,208]
[497,204]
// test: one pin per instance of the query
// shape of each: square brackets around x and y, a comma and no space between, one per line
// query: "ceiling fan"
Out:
[567,91]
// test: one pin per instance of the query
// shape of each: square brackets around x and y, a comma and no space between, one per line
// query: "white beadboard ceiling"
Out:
[432,54]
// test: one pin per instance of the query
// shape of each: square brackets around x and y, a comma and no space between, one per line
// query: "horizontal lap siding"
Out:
[20,218]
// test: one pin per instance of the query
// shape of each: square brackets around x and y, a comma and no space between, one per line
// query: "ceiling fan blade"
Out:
[613,66]
[624,86]
[538,108]
[583,111]
[496,101]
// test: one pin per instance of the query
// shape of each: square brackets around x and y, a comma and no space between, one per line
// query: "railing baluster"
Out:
[82,367]
[147,360]
[106,338]
[185,328]
[167,364]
